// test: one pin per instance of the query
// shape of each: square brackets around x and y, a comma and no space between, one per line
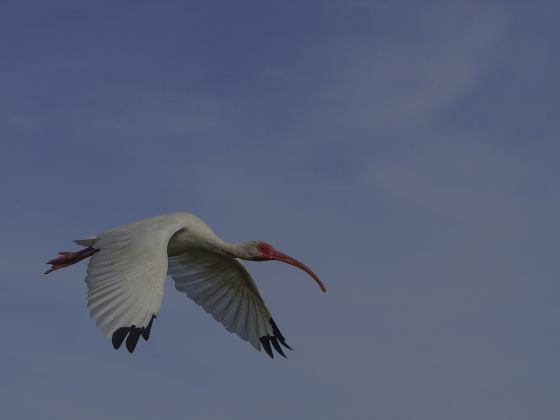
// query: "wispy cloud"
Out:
[349,135]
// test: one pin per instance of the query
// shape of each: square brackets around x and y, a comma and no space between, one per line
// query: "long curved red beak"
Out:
[280,256]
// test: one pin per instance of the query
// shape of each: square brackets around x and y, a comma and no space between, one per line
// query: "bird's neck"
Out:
[183,241]
[234,250]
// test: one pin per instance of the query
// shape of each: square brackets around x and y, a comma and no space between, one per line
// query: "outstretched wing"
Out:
[125,278]
[224,288]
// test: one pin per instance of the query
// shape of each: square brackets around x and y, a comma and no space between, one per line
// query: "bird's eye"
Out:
[263,248]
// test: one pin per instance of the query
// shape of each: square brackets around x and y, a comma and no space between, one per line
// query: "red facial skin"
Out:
[269,253]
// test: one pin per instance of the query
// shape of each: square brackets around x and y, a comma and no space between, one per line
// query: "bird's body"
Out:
[129,265]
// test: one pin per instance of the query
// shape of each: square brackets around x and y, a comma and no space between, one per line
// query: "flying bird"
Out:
[129,264]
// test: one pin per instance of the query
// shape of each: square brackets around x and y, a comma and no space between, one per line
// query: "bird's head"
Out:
[262,251]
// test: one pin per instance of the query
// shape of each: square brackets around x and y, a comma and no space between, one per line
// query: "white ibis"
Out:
[129,265]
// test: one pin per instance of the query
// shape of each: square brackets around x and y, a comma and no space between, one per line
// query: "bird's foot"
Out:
[67,258]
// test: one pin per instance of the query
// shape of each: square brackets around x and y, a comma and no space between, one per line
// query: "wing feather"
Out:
[125,277]
[224,289]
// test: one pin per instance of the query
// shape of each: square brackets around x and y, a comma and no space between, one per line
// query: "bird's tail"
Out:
[67,258]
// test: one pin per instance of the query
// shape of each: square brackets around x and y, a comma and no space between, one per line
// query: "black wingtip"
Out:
[278,334]
[146,330]
[132,335]
[285,345]
[119,336]
[274,341]
[265,341]
[276,346]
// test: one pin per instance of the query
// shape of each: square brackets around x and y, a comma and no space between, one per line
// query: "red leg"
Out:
[68,258]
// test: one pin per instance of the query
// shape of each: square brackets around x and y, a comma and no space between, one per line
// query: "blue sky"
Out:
[406,151]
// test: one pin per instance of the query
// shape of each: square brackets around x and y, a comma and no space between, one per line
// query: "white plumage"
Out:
[129,265]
